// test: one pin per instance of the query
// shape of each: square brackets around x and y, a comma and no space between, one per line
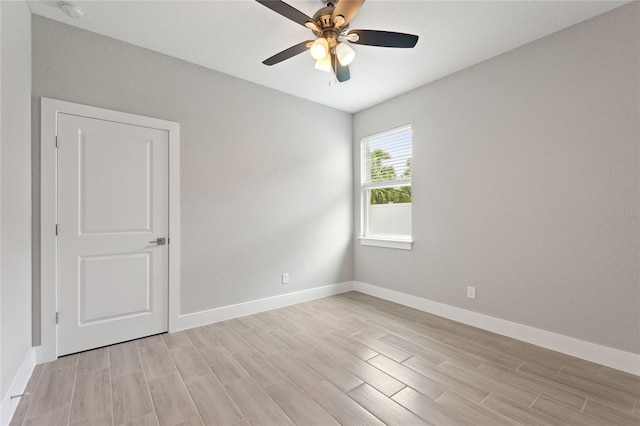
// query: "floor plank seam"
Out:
[586,400]
[147,386]
[73,391]
[534,401]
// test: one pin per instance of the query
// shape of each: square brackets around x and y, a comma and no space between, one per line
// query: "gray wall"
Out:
[516,163]
[15,191]
[263,191]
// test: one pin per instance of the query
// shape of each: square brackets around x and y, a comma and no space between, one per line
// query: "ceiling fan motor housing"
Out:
[324,19]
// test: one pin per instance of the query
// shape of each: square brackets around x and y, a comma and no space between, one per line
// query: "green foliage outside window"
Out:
[380,172]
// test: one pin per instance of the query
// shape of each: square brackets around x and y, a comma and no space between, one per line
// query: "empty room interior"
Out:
[258,212]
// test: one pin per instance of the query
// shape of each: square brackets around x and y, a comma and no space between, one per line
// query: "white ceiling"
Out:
[235,36]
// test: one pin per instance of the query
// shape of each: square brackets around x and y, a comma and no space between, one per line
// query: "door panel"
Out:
[115,184]
[128,274]
[112,203]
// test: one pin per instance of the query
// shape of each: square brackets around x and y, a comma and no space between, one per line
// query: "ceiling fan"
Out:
[330,25]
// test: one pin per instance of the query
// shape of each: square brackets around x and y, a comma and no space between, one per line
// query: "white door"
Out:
[112,218]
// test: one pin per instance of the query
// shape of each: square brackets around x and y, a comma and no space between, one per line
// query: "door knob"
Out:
[159,241]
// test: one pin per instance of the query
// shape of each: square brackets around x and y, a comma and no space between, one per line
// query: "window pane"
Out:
[389,219]
[388,157]
[396,195]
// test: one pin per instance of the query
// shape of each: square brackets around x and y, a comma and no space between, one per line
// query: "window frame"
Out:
[404,242]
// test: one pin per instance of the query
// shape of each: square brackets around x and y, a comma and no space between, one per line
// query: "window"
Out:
[386,189]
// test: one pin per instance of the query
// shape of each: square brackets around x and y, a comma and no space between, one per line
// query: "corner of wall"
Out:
[10,401]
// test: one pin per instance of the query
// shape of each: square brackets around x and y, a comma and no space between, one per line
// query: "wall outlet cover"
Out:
[471,292]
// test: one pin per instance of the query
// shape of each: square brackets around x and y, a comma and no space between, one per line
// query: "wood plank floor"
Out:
[346,359]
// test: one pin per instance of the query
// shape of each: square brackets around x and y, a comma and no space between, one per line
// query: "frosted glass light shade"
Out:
[345,54]
[324,64]
[319,49]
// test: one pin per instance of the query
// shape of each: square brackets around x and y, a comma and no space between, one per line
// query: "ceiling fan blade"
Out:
[342,72]
[384,38]
[348,9]
[286,10]
[288,53]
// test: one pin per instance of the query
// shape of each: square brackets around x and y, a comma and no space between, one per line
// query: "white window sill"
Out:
[396,243]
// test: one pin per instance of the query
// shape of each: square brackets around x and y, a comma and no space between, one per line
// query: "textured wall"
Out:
[265,189]
[517,162]
[15,191]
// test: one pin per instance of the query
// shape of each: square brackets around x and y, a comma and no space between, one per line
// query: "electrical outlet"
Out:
[471,292]
[285,278]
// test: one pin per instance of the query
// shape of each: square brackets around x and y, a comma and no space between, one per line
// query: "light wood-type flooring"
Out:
[349,359]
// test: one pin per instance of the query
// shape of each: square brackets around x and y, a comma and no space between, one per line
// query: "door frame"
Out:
[50,108]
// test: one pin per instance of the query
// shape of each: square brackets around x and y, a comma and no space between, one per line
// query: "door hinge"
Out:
[56,141]
[56,229]
[56,317]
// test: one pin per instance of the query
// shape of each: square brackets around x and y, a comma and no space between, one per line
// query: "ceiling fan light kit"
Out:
[319,49]
[330,25]
[345,54]
[324,64]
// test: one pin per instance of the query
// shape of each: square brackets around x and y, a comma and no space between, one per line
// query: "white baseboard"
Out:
[17,387]
[614,358]
[39,356]
[224,313]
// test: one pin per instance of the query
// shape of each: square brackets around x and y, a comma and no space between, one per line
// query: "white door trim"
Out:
[48,208]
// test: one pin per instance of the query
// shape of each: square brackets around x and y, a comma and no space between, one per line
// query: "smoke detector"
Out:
[72,10]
